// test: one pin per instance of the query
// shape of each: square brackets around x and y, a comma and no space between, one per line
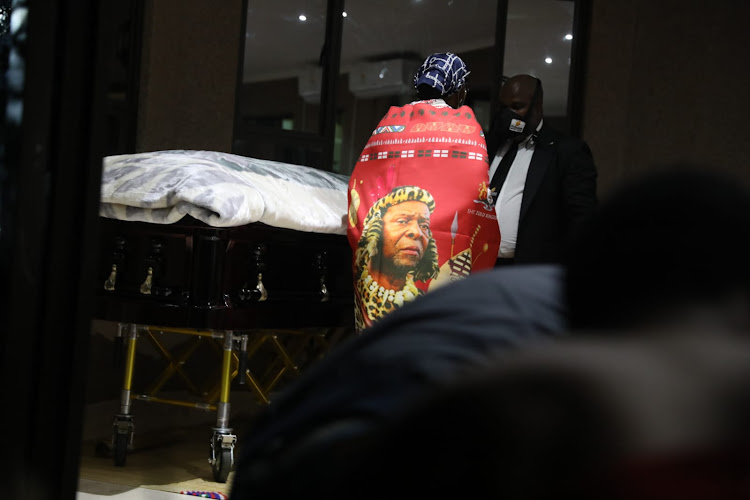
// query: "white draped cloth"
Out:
[222,190]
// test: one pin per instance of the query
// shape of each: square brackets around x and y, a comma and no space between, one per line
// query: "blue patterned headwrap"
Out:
[445,72]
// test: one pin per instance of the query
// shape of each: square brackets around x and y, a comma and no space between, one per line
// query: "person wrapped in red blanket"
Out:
[419,213]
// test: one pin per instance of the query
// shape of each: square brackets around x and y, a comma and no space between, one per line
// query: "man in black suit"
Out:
[543,182]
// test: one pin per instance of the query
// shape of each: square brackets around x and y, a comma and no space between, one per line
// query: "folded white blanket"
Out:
[222,190]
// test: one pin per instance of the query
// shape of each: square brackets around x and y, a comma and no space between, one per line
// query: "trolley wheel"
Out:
[222,465]
[120,450]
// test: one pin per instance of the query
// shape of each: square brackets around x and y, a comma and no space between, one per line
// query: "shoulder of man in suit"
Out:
[545,136]
[550,136]
[564,145]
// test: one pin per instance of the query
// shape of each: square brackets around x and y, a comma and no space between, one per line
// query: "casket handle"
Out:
[109,284]
[256,266]
[324,290]
[259,291]
[148,283]
[261,288]
[259,263]
[154,270]
[321,267]
[118,257]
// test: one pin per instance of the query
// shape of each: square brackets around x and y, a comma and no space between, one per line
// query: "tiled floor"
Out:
[170,452]
[171,442]
[97,490]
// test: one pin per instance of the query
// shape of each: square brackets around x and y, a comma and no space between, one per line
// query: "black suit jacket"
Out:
[560,192]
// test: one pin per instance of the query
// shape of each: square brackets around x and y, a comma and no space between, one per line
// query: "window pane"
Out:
[385,42]
[538,42]
[281,75]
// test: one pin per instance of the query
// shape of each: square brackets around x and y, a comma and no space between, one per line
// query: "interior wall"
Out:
[191,51]
[666,82]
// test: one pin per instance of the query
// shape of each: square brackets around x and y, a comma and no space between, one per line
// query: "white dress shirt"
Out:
[508,204]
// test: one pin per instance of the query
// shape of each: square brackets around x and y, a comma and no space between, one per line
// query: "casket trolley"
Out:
[239,284]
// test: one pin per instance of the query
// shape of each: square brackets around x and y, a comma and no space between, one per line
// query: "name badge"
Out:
[517,125]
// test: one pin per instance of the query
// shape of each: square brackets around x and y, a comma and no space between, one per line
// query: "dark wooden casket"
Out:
[261,275]
[192,275]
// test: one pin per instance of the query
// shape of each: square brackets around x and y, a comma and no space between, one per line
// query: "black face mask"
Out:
[510,125]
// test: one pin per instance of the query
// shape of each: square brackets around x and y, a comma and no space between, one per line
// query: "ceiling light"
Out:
[302,17]
[568,36]
[343,14]
[548,60]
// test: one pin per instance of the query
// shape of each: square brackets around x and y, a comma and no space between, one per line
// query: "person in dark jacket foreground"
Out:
[649,396]
[310,434]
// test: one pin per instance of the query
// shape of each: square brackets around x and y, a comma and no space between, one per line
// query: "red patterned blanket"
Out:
[419,216]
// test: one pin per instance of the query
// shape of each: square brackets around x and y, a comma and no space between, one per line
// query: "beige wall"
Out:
[667,81]
[188,74]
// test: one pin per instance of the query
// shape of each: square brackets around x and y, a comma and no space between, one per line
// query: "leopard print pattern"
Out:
[375,301]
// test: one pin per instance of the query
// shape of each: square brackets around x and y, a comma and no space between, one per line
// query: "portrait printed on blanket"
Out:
[419,214]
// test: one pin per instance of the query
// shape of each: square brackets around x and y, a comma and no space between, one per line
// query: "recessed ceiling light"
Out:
[548,60]
[302,17]
[343,14]
[568,36]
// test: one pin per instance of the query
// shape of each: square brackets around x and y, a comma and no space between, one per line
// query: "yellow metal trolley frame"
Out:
[236,349]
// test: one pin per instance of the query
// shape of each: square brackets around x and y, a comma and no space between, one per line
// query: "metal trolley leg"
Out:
[222,439]
[122,435]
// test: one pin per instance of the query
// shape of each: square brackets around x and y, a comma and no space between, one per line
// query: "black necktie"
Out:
[502,169]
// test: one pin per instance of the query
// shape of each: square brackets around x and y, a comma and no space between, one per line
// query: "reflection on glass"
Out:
[385,42]
[538,42]
[13,34]
[281,72]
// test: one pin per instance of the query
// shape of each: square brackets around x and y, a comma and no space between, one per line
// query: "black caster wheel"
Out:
[122,438]
[222,466]
[222,455]
[120,448]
